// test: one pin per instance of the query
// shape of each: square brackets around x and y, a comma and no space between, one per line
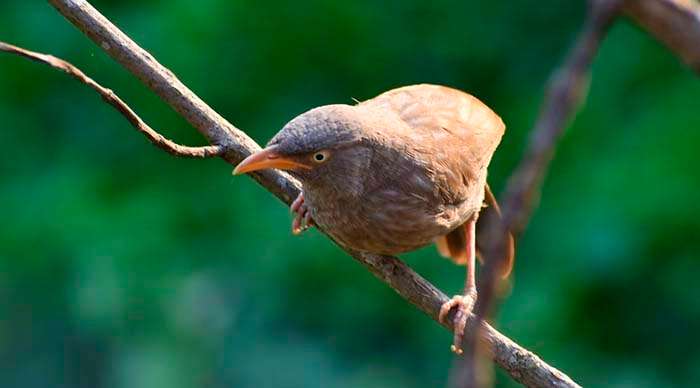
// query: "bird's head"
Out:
[325,144]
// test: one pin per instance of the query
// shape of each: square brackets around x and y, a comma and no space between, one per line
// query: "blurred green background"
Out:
[121,266]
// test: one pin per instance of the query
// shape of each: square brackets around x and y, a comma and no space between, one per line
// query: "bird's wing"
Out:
[459,133]
[454,129]
[433,111]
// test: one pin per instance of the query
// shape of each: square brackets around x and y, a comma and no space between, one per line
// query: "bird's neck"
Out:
[340,191]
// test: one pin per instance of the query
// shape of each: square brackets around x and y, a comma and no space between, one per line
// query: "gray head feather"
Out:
[320,128]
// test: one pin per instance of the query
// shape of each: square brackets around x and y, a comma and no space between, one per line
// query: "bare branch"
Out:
[676,23]
[169,88]
[566,92]
[111,98]
[521,364]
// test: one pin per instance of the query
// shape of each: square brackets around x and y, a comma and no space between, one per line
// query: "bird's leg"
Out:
[302,219]
[464,303]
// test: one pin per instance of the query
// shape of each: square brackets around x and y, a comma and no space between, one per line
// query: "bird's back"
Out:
[452,130]
[438,115]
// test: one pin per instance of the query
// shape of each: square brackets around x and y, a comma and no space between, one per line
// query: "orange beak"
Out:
[264,159]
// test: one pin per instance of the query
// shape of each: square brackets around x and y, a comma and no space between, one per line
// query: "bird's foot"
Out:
[302,219]
[465,304]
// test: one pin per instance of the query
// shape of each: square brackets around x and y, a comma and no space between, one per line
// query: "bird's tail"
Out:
[453,245]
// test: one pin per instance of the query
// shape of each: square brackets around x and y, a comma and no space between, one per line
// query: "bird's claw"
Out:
[302,219]
[465,304]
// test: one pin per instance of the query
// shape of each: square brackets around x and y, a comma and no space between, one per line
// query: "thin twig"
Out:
[521,364]
[565,94]
[112,99]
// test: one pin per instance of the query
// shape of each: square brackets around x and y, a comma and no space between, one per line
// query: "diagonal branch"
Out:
[521,364]
[168,87]
[565,94]
[676,23]
[111,98]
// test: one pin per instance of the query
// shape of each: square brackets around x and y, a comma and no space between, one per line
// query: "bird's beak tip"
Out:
[236,171]
[264,159]
[254,161]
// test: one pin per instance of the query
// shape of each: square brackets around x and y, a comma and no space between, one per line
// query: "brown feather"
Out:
[442,247]
[457,244]
[453,244]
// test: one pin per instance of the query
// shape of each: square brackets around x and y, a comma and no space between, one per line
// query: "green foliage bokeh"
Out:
[121,266]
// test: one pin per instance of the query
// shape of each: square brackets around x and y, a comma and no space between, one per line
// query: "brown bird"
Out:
[393,174]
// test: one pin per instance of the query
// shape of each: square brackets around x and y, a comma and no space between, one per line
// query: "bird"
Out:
[392,174]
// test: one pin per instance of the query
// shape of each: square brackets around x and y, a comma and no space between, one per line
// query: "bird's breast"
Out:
[389,220]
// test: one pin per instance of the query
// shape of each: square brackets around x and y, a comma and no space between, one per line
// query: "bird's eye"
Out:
[320,157]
